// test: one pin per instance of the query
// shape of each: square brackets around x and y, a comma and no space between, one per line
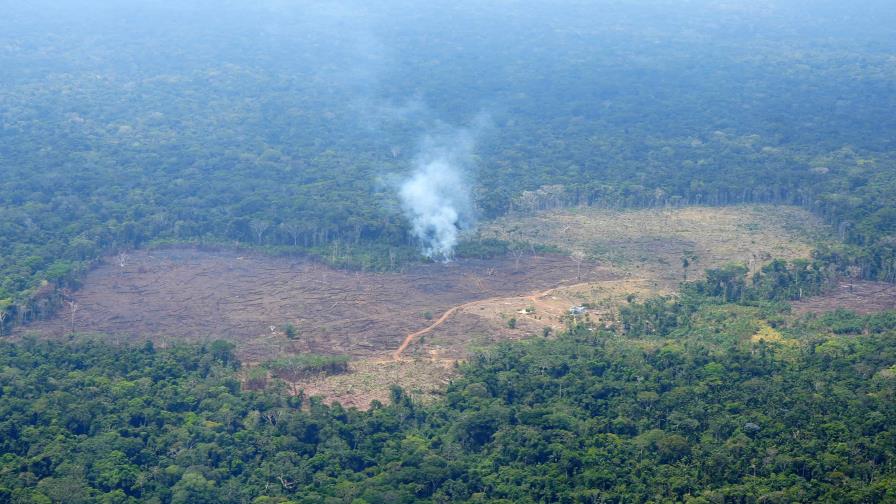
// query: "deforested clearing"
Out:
[653,242]
[850,294]
[188,295]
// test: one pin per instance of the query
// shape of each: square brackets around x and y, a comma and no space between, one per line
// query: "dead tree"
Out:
[259,227]
[478,283]
[73,308]
[4,314]
[578,257]
[294,230]
[272,416]
[517,255]
[286,483]
[122,261]
[291,371]
[335,254]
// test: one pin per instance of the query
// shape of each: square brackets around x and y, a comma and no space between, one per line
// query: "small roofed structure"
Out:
[578,310]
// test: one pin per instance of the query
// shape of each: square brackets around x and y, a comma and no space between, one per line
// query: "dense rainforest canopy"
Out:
[738,402]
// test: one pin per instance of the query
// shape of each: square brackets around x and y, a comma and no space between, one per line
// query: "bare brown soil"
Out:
[370,379]
[184,294]
[192,295]
[856,295]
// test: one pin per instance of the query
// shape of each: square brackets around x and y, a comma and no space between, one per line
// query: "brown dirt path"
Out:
[192,295]
[534,298]
[414,335]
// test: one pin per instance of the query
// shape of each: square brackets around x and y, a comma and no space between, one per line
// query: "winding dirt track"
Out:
[194,295]
[533,298]
[414,335]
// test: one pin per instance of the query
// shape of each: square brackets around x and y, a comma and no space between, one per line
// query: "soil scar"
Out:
[445,316]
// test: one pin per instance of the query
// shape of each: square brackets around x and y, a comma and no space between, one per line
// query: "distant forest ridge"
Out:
[123,124]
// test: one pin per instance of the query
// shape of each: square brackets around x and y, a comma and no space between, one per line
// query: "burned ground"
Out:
[849,294]
[186,294]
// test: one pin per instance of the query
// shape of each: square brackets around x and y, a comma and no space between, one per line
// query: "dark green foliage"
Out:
[297,367]
[290,331]
[482,249]
[706,416]
[770,288]
[656,316]
[876,261]
[776,281]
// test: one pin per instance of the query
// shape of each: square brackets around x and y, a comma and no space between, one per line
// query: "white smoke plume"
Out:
[436,196]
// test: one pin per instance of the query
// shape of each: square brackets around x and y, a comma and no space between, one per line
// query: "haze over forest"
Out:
[338,251]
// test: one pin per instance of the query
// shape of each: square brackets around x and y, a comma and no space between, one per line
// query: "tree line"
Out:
[737,402]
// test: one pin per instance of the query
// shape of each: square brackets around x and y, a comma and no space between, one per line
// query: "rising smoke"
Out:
[436,196]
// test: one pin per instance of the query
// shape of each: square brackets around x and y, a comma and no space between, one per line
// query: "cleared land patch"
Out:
[392,324]
[652,243]
[194,295]
[860,296]
[644,248]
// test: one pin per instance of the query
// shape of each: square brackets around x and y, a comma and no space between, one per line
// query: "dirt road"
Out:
[190,295]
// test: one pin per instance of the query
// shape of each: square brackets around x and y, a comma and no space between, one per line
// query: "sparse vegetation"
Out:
[298,367]
[657,243]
